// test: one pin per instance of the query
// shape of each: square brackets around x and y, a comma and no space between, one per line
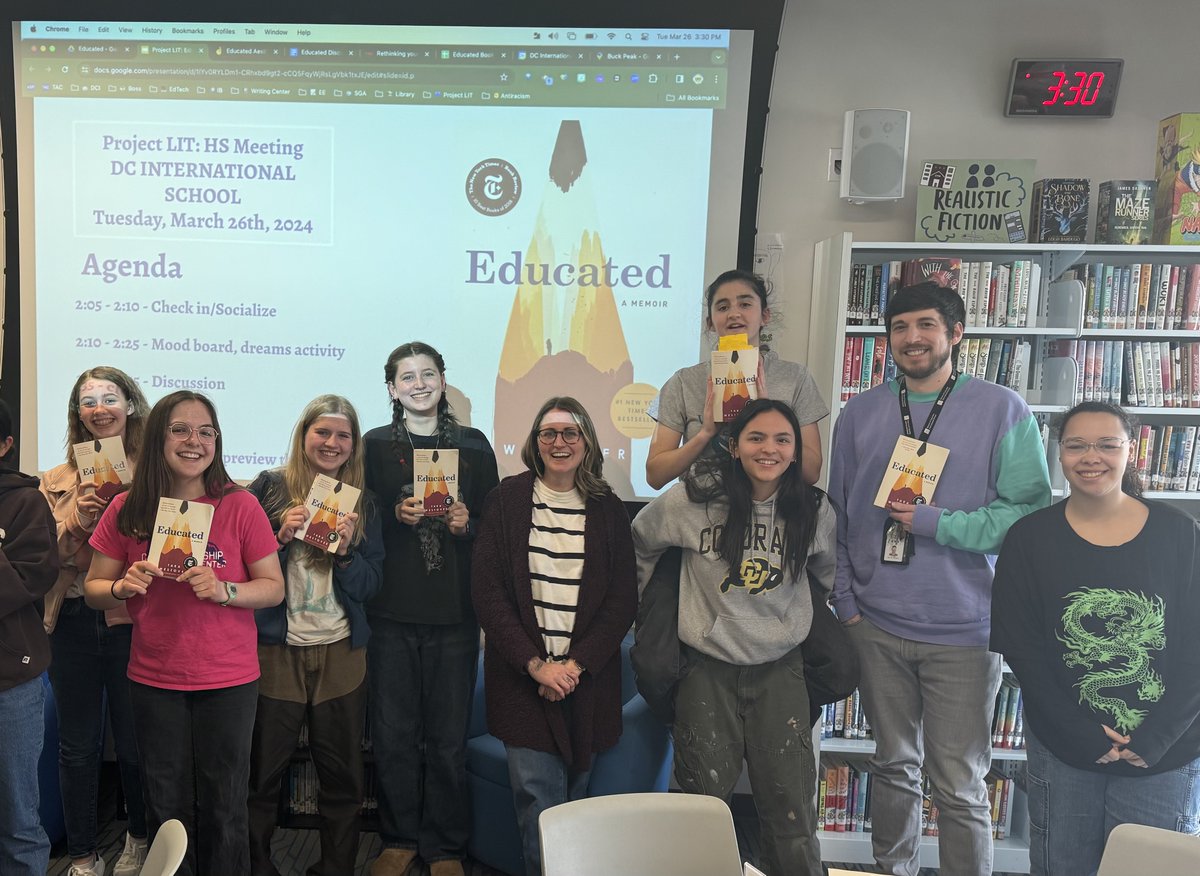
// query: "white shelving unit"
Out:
[1061,315]
[1052,390]
[1011,855]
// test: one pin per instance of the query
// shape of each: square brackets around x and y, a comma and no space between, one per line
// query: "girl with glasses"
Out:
[425,644]
[312,647]
[753,533]
[1095,605]
[193,661]
[554,588]
[91,648]
[735,303]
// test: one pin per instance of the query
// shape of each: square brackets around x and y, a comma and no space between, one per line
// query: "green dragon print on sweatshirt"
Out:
[1134,626]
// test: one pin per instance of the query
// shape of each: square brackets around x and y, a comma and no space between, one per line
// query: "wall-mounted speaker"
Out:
[874,155]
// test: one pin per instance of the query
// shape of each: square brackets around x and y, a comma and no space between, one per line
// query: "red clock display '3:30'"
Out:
[1084,91]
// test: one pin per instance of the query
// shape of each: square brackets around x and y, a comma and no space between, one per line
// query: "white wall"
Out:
[947,61]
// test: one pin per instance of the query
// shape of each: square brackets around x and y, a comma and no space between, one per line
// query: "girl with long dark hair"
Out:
[193,662]
[425,648]
[753,533]
[734,303]
[1095,605]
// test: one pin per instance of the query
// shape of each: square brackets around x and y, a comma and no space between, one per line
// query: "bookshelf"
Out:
[1060,315]
[1059,312]
[842,735]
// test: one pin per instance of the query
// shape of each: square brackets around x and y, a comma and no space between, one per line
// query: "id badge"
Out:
[898,545]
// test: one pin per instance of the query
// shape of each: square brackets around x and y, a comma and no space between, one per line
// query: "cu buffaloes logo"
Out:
[756,574]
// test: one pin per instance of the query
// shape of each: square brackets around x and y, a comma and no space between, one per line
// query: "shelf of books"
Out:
[301,786]
[1057,323]
[844,786]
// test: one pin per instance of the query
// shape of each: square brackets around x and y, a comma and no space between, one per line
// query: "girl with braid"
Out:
[425,638]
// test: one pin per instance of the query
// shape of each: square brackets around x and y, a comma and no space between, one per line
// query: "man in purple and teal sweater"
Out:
[914,582]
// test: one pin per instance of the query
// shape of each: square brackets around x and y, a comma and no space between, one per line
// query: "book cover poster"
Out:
[975,200]
[102,461]
[1125,211]
[436,477]
[912,473]
[735,382]
[1060,210]
[329,500]
[1177,168]
[180,535]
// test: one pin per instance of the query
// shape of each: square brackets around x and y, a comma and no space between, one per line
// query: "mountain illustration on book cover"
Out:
[103,462]
[735,382]
[435,480]
[912,473]
[180,535]
[328,501]
[565,339]
[975,200]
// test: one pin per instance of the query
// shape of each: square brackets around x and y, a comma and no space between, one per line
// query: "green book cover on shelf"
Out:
[975,200]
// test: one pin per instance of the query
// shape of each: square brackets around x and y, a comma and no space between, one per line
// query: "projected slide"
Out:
[265,247]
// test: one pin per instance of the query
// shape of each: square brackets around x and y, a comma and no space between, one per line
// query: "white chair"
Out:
[632,834]
[167,851]
[1136,850]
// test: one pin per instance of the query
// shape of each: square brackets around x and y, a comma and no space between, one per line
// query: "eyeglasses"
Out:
[569,436]
[1105,446]
[182,432]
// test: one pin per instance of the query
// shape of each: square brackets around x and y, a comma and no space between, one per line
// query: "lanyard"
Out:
[931,420]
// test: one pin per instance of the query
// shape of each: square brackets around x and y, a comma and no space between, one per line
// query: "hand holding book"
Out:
[204,583]
[410,511]
[345,531]
[291,521]
[136,580]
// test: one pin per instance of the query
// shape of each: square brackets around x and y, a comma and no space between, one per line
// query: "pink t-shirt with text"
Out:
[181,642]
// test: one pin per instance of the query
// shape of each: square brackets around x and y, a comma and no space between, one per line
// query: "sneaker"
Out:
[95,868]
[132,858]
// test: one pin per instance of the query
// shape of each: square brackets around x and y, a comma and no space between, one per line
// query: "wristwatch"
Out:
[230,594]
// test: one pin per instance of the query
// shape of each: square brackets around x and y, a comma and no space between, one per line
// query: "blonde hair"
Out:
[298,473]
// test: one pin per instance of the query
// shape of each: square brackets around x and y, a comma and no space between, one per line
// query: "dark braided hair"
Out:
[448,427]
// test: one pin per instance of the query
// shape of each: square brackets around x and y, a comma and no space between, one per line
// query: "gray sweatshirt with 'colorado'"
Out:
[752,618]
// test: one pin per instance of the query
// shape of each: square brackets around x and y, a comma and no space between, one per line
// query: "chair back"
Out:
[654,834]
[1136,850]
[167,851]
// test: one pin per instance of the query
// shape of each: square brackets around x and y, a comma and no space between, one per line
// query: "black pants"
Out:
[335,728]
[195,752]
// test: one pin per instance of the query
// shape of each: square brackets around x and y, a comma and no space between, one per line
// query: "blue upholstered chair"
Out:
[641,761]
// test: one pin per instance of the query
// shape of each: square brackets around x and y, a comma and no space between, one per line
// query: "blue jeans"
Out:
[24,849]
[195,748]
[91,659]
[1072,811]
[421,679]
[539,780]
[929,705]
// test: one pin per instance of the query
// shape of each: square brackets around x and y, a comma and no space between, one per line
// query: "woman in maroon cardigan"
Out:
[555,589]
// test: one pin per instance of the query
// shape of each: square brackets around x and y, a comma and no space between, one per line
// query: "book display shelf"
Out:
[1078,335]
[1057,323]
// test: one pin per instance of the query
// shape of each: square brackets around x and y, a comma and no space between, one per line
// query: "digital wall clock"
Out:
[1083,88]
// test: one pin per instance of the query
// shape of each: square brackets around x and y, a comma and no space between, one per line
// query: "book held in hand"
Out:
[436,485]
[735,382]
[912,473]
[102,462]
[329,500]
[180,535]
